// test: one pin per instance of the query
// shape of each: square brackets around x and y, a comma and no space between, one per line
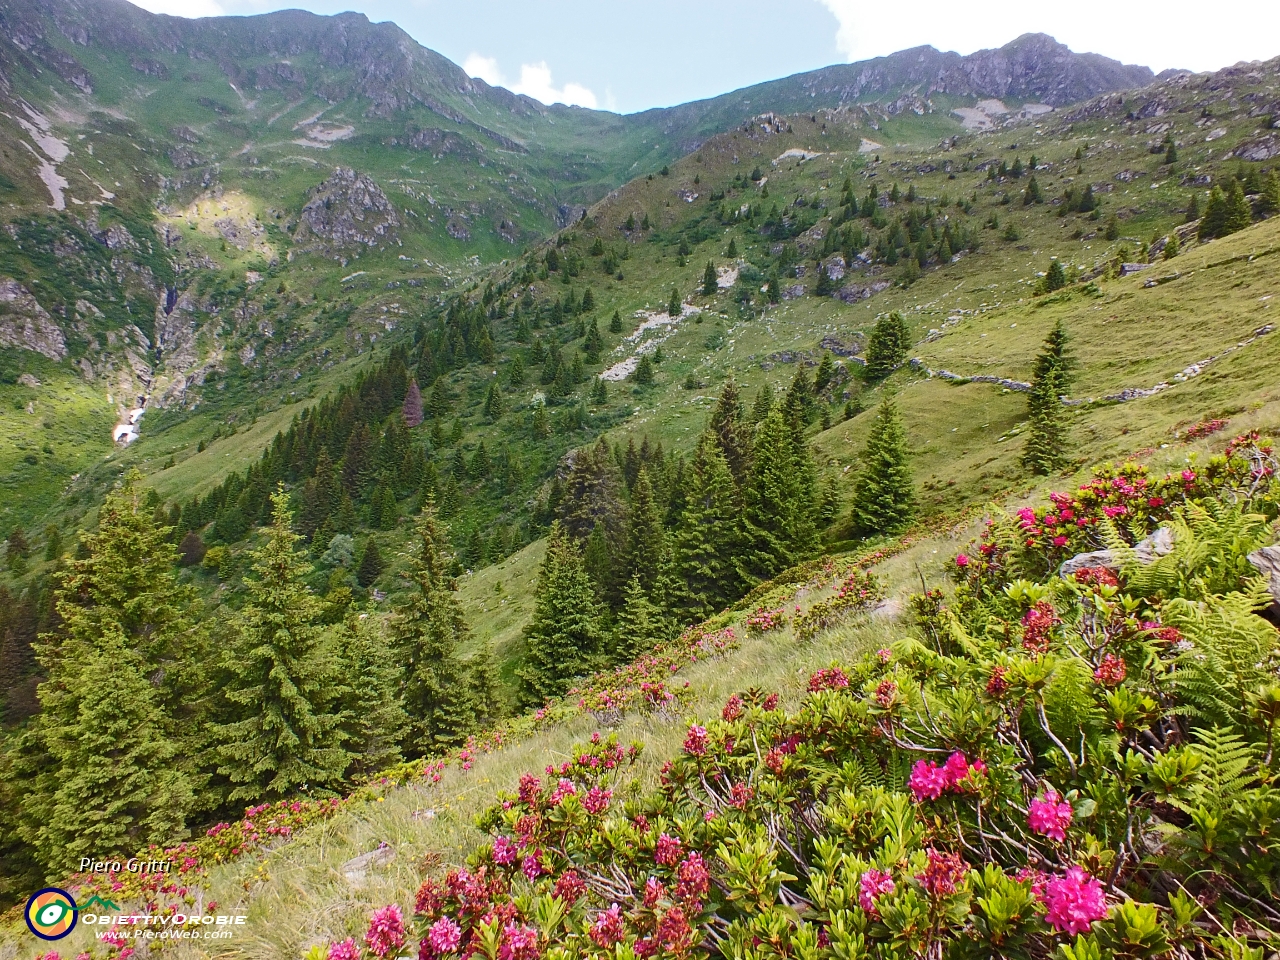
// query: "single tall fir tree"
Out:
[284,682]
[708,542]
[1046,449]
[887,347]
[426,630]
[884,498]
[564,636]
[778,503]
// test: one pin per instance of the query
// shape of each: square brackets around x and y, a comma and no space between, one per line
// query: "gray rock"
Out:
[1157,545]
[357,869]
[1267,562]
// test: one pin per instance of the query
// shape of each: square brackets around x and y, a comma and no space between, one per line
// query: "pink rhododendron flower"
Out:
[872,885]
[504,851]
[927,780]
[519,942]
[1050,816]
[694,878]
[695,744]
[597,800]
[570,887]
[1074,900]
[531,867]
[667,851]
[386,930]
[444,936]
[962,560]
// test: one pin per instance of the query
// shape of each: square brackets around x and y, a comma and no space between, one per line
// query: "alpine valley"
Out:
[833,520]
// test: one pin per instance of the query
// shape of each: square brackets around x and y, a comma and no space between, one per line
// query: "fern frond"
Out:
[1226,766]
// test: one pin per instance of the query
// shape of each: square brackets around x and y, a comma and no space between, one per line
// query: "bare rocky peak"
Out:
[349,210]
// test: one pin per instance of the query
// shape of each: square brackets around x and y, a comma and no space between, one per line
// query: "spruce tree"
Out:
[615,322]
[515,374]
[376,724]
[427,628]
[1239,213]
[732,432]
[1055,277]
[763,403]
[283,679]
[883,497]
[114,775]
[1214,222]
[563,637]
[494,404]
[370,567]
[645,534]
[637,629]
[710,284]
[643,373]
[778,507]
[887,347]
[411,409]
[708,541]
[1269,198]
[733,248]
[673,304]
[1046,446]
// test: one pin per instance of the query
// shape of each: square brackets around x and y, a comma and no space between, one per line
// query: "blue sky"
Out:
[627,55]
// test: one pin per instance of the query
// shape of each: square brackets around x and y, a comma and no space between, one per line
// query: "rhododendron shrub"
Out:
[1072,766]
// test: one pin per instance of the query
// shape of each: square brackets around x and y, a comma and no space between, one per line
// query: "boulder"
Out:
[357,869]
[1153,547]
[1267,562]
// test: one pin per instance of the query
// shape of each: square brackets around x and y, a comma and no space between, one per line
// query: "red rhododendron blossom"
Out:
[886,690]
[695,744]
[519,942]
[667,851]
[609,928]
[1110,671]
[570,887]
[1074,902]
[872,885]
[564,788]
[1037,878]
[694,878]
[653,892]
[1036,626]
[1050,816]
[943,872]
[927,780]
[997,685]
[771,702]
[1097,576]
[386,930]
[444,936]
[962,560]
[531,867]
[674,932]
[732,709]
[828,679]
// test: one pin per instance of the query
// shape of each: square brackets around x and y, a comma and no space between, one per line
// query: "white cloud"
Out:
[535,81]
[846,34]
[182,8]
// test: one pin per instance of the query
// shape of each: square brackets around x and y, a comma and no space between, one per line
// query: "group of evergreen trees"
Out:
[154,714]
[644,544]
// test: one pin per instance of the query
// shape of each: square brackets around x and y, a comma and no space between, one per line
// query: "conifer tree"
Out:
[1214,222]
[515,374]
[427,629]
[778,507]
[1239,213]
[638,626]
[1112,231]
[1055,277]
[763,403]
[411,409]
[370,567]
[615,322]
[494,404]
[729,426]
[643,373]
[710,285]
[112,774]
[376,723]
[645,534]
[708,541]
[564,635]
[825,373]
[1269,199]
[887,347]
[1193,208]
[1046,446]
[673,304]
[733,248]
[884,498]
[283,679]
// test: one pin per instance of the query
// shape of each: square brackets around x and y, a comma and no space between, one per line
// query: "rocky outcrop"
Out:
[1149,550]
[26,325]
[348,210]
[1259,149]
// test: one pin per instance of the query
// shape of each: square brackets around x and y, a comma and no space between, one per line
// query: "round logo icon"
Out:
[51,913]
